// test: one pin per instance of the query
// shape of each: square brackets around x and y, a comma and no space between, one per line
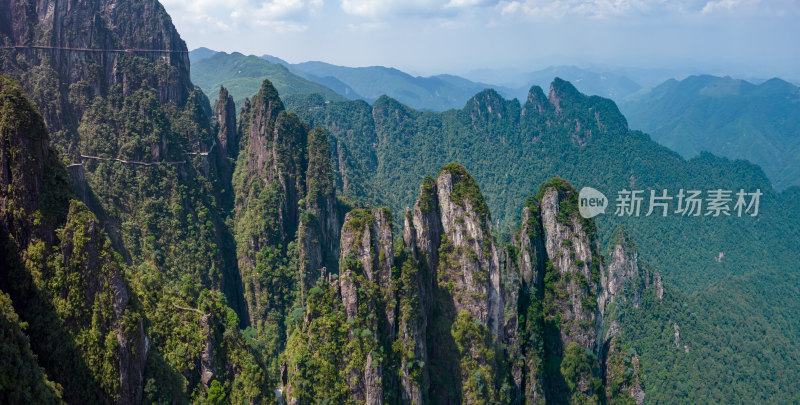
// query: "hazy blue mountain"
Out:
[242,76]
[437,93]
[200,53]
[600,82]
[728,117]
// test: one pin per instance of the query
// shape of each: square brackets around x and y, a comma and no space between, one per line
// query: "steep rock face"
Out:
[24,153]
[459,291]
[573,252]
[286,205]
[626,278]
[367,297]
[472,268]
[320,224]
[523,283]
[554,266]
[225,113]
[92,269]
[414,312]
[84,42]
[269,180]
[572,287]
[116,96]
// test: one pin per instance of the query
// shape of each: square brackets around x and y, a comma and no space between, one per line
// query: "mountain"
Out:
[435,93]
[118,254]
[728,117]
[381,150]
[466,320]
[157,249]
[605,84]
[242,76]
[614,84]
[200,53]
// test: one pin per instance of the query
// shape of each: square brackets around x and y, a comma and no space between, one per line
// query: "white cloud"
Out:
[558,9]
[382,9]
[224,15]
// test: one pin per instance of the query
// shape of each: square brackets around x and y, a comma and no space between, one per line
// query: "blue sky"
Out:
[755,38]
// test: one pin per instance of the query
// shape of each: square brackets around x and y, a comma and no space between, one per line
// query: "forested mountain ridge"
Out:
[242,76]
[727,117]
[381,149]
[143,156]
[222,259]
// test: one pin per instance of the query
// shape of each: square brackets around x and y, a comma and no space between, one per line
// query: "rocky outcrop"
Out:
[91,269]
[571,248]
[554,263]
[320,225]
[284,196]
[225,114]
[470,267]
[626,278]
[22,173]
[414,312]
[449,237]
[367,296]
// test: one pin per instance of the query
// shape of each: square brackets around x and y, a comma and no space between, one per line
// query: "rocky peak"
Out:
[570,244]
[537,101]
[472,266]
[225,113]
[487,106]
[560,91]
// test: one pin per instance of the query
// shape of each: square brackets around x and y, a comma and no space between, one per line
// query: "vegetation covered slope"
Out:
[727,117]
[381,151]
[212,261]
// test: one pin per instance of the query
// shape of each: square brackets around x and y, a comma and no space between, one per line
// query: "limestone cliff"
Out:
[368,298]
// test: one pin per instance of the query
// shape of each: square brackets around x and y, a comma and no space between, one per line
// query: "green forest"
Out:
[275,243]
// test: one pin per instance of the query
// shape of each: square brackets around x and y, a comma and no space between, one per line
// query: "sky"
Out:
[744,38]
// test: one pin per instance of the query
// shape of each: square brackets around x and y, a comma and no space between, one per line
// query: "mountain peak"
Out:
[562,90]
[268,100]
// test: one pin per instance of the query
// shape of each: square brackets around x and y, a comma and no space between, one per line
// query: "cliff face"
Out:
[455,323]
[573,254]
[368,299]
[285,203]
[111,79]
[68,285]
[84,43]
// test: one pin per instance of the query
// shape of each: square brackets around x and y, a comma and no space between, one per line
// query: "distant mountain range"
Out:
[438,93]
[242,76]
[725,116]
